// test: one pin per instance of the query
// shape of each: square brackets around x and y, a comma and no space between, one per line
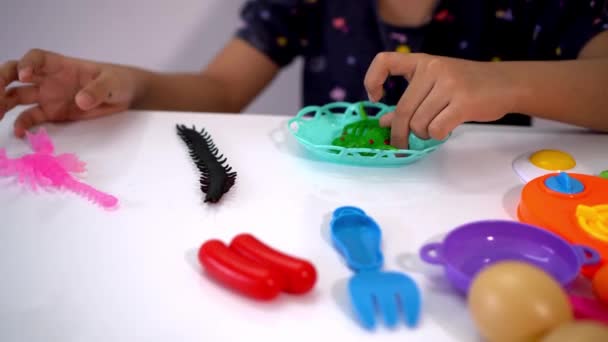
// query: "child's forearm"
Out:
[193,92]
[573,92]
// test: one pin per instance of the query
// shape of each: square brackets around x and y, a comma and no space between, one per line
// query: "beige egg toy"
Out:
[578,331]
[516,302]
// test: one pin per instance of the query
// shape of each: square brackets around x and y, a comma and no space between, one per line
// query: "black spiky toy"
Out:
[217,177]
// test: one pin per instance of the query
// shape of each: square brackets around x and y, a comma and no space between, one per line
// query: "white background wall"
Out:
[165,35]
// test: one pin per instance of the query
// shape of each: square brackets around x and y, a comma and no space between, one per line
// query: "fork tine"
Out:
[363,304]
[410,301]
[388,305]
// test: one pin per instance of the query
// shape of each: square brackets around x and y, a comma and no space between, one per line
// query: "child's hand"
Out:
[62,89]
[442,93]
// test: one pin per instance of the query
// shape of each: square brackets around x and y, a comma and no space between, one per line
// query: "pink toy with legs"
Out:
[44,168]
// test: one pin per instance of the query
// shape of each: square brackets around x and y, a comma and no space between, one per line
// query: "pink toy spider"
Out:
[43,168]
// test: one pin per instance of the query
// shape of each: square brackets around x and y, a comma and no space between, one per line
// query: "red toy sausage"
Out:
[299,275]
[235,271]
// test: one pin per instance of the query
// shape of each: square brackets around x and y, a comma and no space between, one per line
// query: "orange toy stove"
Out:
[572,205]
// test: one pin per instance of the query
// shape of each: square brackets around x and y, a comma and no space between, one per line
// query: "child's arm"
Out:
[229,83]
[446,92]
[67,89]
[63,88]
[572,92]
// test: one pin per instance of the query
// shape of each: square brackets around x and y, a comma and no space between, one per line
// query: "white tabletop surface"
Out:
[71,271]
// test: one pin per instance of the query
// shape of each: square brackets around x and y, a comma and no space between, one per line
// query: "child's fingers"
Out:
[415,94]
[8,74]
[29,118]
[387,119]
[36,63]
[25,95]
[104,109]
[385,64]
[444,123]
[432,105]
[421,85]
[101,89]
[32,62]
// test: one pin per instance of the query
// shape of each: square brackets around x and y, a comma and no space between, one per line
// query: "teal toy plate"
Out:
[317,127]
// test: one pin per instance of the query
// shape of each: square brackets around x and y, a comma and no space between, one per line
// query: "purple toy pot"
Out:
[469,248]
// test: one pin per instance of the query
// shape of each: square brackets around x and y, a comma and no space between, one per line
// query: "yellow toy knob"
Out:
[552,160]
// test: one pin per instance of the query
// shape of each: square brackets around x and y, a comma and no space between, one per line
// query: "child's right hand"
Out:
[62,89]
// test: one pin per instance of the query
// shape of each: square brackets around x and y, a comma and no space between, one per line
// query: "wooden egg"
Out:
[514,301]
[578,331]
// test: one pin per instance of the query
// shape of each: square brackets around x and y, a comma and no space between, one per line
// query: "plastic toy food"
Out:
[604,174]
[357,238]
[216,177]
[44,168]
[365,143]
[255,269]
[299,276]
[600,284]
[572,205]
[365,133]
[532,165]
[469,248]
[513,301]
[238,272]
[578,331]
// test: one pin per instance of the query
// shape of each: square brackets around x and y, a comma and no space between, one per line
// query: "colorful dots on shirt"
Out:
[444,16]
[351,60]
[337,94]
[537,30]
[592,3]
[339,23]
[400,37]
[506,15]
[265,14]
[463,45]
[558,51]
[304,42]
[496,59]
[281,41]
[403,48]
[317,64]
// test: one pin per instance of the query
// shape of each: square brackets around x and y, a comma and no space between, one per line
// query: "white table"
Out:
[71,271]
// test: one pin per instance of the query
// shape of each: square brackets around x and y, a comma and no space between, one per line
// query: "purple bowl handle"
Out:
[430,253]
[587,255]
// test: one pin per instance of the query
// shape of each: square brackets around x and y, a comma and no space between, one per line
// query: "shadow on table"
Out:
[440,301]
[339,290]
[510,201]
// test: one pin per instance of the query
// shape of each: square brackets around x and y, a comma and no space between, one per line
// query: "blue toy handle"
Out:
[357,238]
[348,210]
[587,255]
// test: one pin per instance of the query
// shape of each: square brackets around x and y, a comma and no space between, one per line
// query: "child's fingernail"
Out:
[84,100]
[25,73]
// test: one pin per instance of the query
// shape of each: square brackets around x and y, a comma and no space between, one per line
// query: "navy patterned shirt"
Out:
[339,38]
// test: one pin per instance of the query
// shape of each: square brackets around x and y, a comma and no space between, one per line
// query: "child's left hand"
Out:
[442,93]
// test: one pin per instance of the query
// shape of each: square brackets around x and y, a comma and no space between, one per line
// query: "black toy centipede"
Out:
[217,176]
